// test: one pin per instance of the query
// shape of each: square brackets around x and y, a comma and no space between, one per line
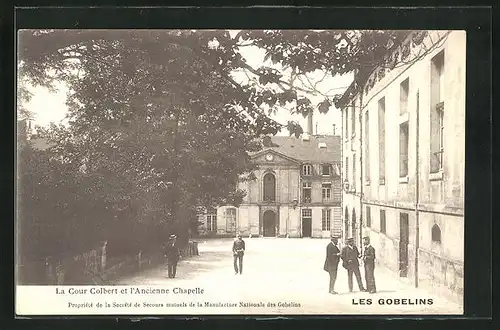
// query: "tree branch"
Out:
[281,83]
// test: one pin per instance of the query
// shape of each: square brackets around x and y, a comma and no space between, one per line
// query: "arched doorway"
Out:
[346,224]
[353,226]
[269,187]
[269,224]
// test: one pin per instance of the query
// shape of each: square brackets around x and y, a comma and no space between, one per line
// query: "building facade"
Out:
[296,192]
[404,160]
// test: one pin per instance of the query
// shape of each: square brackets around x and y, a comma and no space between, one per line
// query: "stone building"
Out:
[296,193]
[404,159]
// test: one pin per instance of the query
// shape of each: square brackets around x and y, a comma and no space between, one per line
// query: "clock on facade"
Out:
[269,157]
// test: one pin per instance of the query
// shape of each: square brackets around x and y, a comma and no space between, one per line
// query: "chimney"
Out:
[30,130]
[310,123]
[306,136]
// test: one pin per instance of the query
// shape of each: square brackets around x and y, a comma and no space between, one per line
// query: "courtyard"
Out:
[282,276]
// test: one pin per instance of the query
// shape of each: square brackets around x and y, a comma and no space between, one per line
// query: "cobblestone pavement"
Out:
[287,277]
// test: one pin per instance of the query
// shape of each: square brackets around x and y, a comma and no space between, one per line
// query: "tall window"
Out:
[212,222]
[382,222]
[346,223]
[354,170]
[367,147]
[326,215]
[404,89]
[368,217]
[437,112]
[325,169]
[326,192]
[231,220]
[306,169]
[346,133]
[269,187]
[403,149]
[353,119]
[306,192]
[381,140]
[353,226]
[440,110]
[346,169]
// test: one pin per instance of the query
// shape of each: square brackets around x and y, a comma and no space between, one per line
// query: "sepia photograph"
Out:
[243,172]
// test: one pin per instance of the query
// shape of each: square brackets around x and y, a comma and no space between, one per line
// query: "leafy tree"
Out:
[157,122]
[294,54]
[154,152]
[58,211]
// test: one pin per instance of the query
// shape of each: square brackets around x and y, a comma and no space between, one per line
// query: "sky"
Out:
[50,107]
[46,106]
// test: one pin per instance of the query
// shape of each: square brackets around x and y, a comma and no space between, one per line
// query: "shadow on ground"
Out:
[206,262]
[187,269]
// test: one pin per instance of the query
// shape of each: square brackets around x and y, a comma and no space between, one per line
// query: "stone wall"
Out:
[92,267]
[441,275]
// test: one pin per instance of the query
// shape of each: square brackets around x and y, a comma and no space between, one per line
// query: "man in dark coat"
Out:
[332,262]
[369,261]
[172,253]
[350,255]
[238,252]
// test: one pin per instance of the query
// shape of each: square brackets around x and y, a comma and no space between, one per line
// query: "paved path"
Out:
[287,273]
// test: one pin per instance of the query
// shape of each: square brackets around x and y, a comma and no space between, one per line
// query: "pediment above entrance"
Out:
[270,157]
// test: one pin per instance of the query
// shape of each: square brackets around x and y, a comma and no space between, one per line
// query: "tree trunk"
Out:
[174,188]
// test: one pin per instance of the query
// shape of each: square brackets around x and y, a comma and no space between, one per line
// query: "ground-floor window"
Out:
[368,217]
[231,220]
[326,216]
[382,222]
[436,234]
[212,222]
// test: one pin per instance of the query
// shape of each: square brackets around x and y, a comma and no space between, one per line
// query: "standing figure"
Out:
[350,255]
[369,261]
[332,262]
[172,253]
[238,252]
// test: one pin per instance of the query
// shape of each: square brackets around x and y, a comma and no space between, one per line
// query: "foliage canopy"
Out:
[157,122]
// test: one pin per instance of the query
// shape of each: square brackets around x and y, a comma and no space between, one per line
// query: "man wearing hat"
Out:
[172,253]
[350,255]
[332,262]
[238,252]
[369,261]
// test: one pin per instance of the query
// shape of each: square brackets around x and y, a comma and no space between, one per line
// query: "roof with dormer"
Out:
[306,151]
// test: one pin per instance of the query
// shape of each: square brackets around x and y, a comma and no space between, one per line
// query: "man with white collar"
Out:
[238,252]
[369,261]
[350,255]
[172,253]
[332,262]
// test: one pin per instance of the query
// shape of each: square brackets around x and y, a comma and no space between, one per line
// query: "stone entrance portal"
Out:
[269,224]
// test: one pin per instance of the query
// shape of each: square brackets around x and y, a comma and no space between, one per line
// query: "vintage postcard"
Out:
[247,172]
